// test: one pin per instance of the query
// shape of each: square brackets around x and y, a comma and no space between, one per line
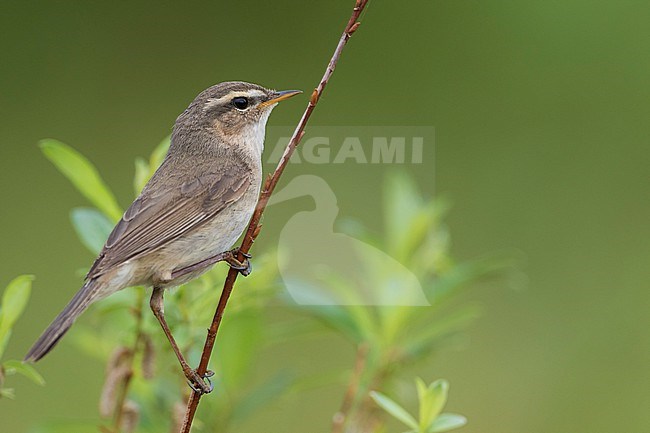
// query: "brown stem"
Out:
[254,226]
[340,417]
[367,412]
[119,407]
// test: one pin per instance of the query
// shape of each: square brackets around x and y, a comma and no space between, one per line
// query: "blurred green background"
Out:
[541,114]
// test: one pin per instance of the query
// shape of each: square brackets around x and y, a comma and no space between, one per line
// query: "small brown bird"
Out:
[190,213]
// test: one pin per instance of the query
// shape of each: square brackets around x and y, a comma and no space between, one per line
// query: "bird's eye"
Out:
[240,103]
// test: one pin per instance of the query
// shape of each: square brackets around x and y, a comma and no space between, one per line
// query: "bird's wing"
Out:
[163,213]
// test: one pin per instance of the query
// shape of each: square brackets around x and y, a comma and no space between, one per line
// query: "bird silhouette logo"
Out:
[320,266]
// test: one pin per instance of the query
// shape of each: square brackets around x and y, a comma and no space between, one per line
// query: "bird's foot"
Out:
[198,383]
[244,266]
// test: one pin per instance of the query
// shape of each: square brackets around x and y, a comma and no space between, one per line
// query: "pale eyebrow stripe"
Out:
[212,102]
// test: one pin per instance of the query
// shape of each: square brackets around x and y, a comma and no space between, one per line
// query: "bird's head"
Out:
[236,111]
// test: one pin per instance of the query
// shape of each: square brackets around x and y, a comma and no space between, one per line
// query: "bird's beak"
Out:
[280,96]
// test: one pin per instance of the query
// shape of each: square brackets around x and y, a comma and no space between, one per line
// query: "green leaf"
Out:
[15,298]
[446,422]
[421,222]
[344,293]
[92,227]
[26,370]
[336,318]
[144,170]
[401,203]
[142,174]
[83,175]
[4,339]
[159,153]
[426,335]
[432,400]
[14,301]
[425,414]
[7,393]
[463,274]
[394,409]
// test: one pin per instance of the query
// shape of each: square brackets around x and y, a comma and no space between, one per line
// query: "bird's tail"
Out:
[84,297]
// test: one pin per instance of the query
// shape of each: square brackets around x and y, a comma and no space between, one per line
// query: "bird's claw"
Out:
[201,385]
[243,266]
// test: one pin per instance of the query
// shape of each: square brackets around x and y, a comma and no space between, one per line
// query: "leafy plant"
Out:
[432,400]
[389,338]
[83,175]
[142,375]
[14,301]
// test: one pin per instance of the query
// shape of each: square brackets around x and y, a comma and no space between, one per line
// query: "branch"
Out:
[340,417]
[254,226]
[119,374]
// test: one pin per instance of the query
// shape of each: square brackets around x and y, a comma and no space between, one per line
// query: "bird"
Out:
[190,213]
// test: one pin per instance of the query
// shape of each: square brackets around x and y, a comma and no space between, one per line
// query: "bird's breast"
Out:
[213,237]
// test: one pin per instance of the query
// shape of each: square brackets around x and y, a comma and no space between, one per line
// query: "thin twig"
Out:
[254,226]
[127,368]
[138,339]
[340,417]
